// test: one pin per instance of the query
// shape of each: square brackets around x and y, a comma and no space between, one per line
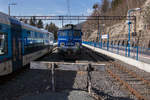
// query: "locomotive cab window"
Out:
[77,34]
[3,43]
[62,34]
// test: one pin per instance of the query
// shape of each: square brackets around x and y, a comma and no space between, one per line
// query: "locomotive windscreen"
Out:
[77,34]
[62,33]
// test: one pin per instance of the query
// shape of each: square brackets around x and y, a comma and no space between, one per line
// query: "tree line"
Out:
[109,8]
[39,24]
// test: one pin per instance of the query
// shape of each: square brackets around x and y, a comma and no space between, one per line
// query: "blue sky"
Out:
[47,7]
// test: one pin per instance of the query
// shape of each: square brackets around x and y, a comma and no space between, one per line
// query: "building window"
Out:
[3,44]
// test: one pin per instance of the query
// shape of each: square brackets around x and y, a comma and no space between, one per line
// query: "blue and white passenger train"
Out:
[20,44]
[69,40]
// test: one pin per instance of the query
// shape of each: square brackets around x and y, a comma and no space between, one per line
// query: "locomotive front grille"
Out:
[70,44]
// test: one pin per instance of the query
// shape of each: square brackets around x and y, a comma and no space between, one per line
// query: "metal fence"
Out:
[138,53]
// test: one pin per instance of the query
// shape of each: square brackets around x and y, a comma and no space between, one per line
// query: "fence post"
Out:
[108,42]
[89,82]
[118,50]
[53,77]
[112,47]
[137,53]
[126,51]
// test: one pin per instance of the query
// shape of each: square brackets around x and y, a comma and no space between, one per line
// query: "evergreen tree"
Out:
[26,21]
[32,21]
[46,27]
[52,28]
[40,24]
[95,6]
[105,6]
[115,3]
[21,19]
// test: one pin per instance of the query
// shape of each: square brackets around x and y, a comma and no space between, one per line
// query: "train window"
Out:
[62,34]
[77,34]
[29,33]
[3,43]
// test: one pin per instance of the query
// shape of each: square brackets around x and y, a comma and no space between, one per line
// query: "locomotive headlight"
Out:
[62,44]
[77,44]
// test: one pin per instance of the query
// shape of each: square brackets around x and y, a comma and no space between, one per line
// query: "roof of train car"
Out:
[4,18]
[33,28]
[69,27]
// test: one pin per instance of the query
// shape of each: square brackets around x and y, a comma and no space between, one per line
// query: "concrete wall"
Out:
[130,61]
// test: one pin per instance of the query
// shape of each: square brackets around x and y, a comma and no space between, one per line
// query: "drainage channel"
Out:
[70,76]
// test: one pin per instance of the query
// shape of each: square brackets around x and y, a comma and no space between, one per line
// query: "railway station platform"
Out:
[133,62]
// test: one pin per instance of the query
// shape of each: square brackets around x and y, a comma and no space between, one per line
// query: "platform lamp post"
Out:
[11,4]
[103,26]
[129,25]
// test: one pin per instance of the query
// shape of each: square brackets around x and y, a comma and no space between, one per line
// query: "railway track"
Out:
[135,84]
[88,68]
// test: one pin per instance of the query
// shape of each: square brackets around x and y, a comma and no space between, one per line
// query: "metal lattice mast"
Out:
[69,11]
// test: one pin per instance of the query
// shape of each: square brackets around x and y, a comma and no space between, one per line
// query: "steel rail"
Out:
[132,73]
[133,91]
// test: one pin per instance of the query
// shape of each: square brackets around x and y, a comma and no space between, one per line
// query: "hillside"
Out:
[118,29]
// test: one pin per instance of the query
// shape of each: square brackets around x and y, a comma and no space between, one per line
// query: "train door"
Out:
[16,44]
